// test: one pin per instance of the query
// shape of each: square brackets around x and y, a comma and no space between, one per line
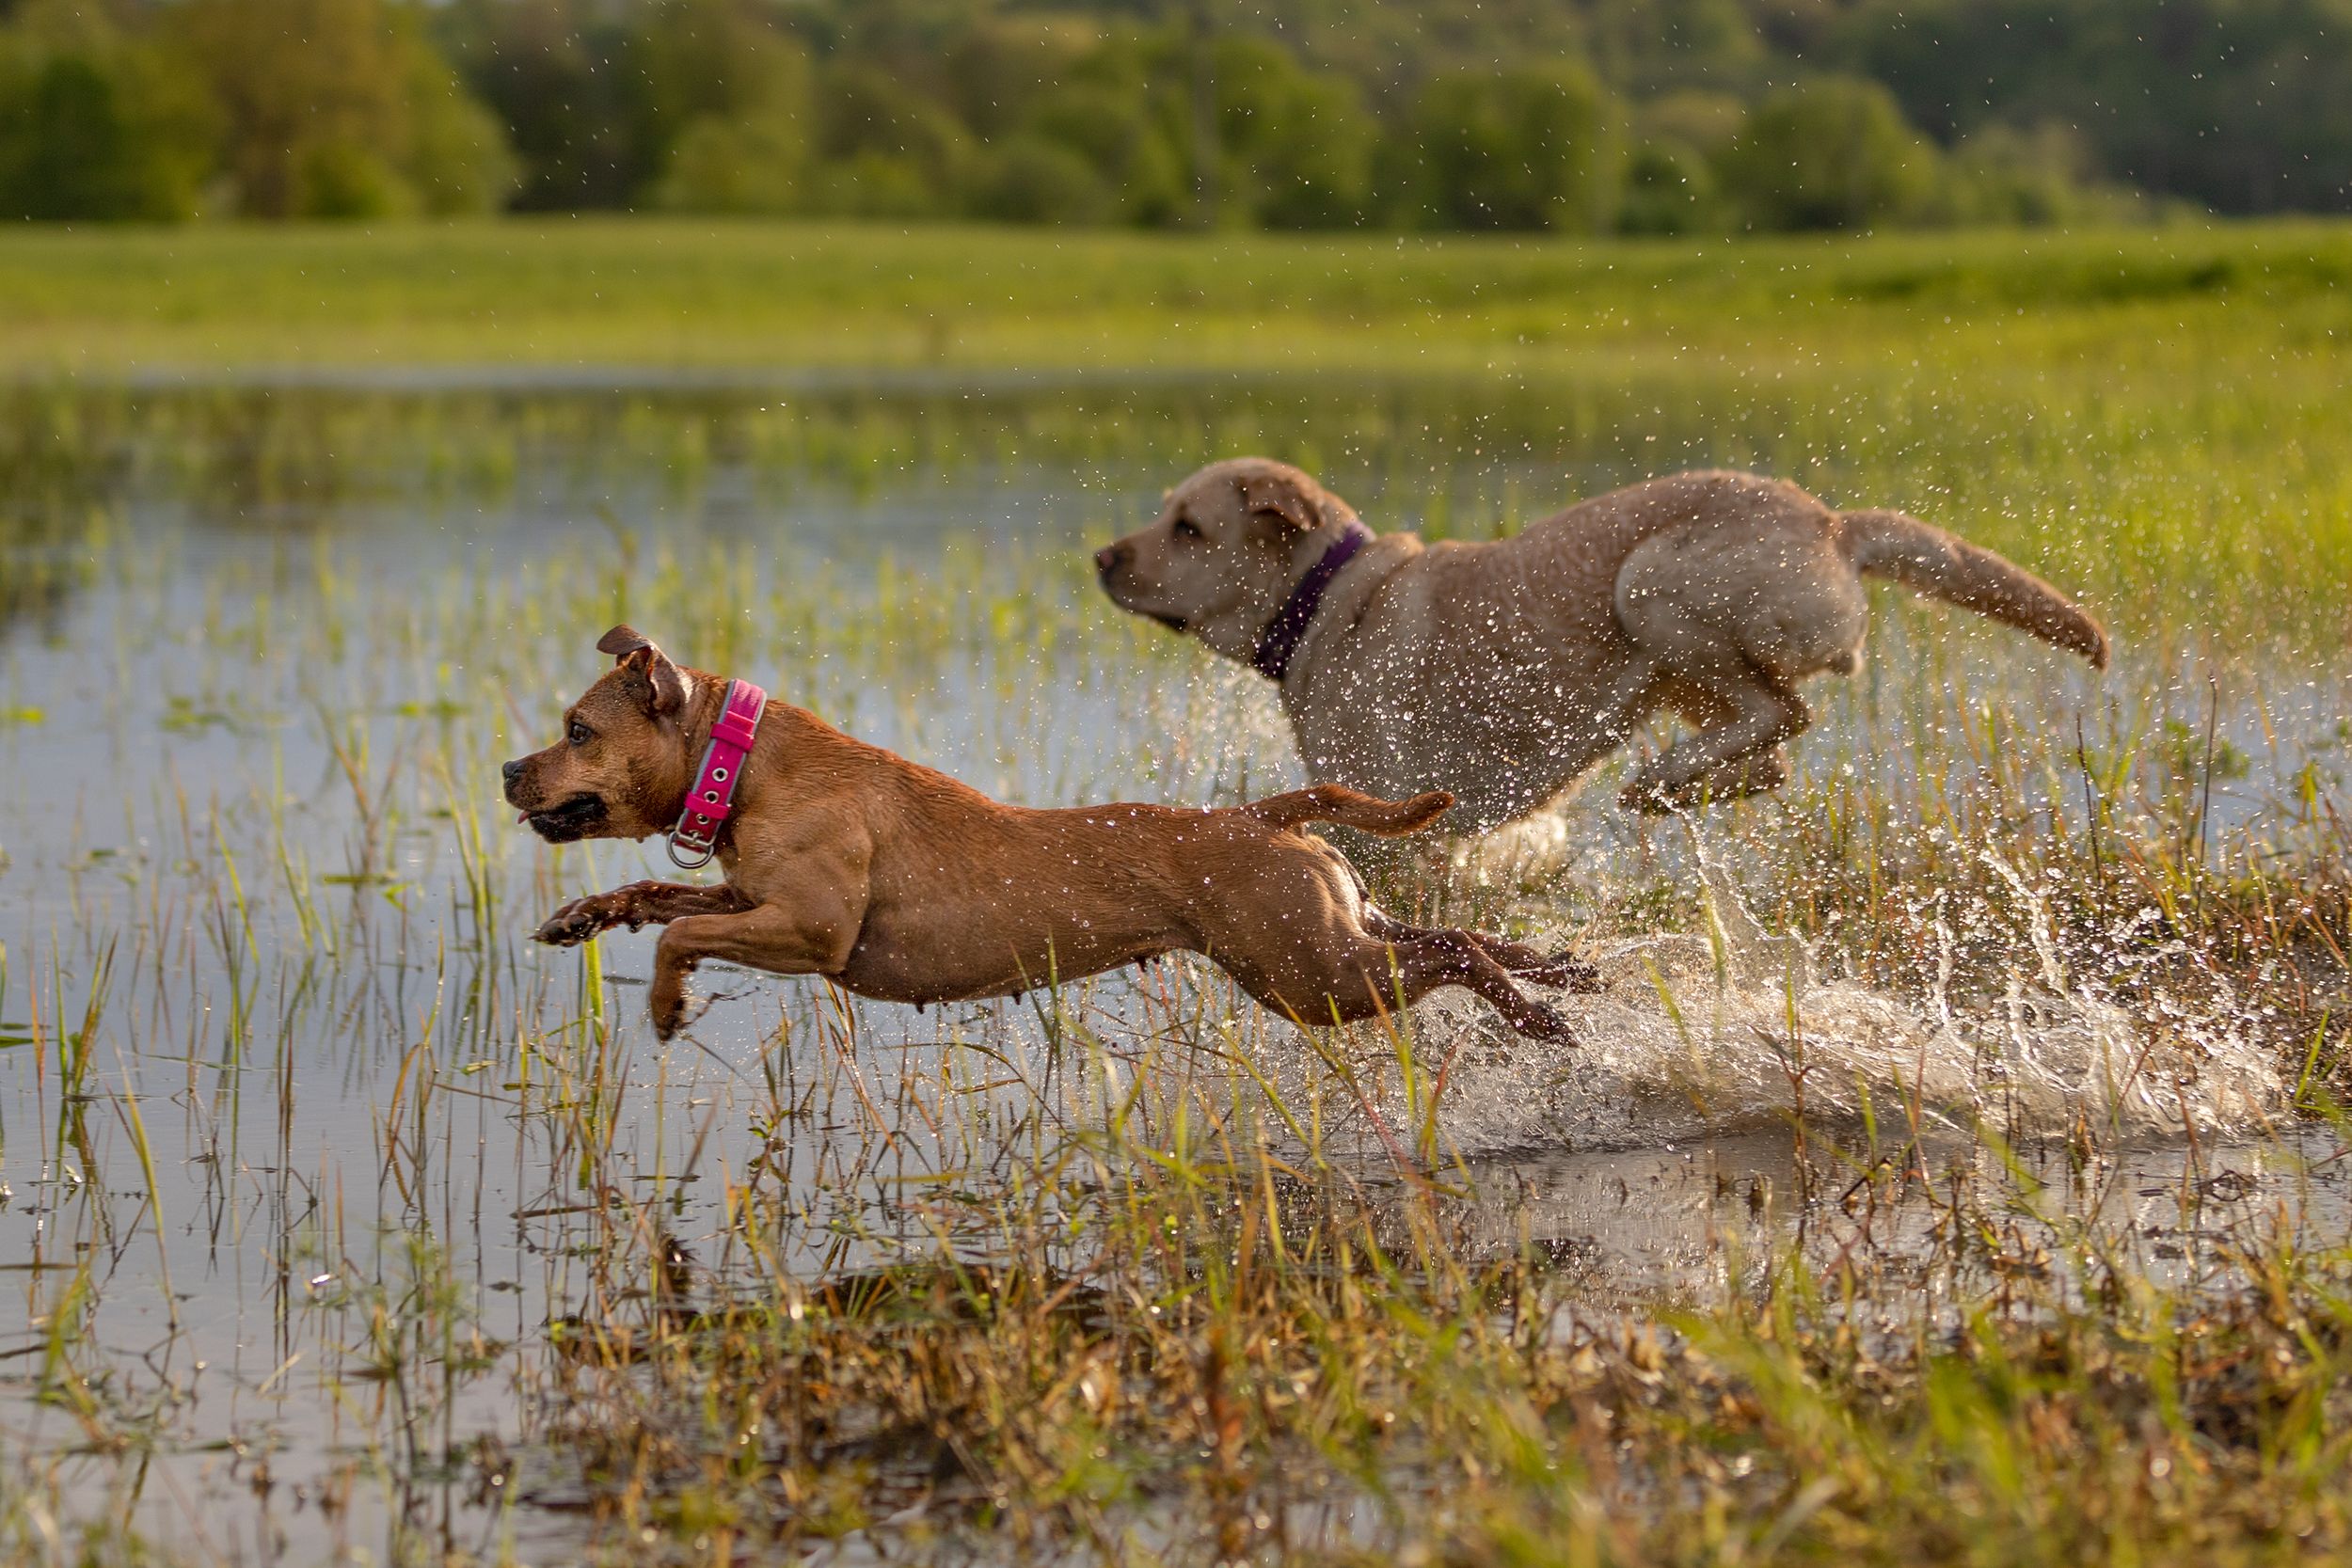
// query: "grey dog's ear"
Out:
[1281,497]
[629,647]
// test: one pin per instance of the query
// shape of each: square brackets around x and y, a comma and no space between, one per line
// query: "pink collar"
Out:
[713,795]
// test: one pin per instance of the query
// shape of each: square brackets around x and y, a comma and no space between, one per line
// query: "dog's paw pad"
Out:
[1545,1023]
[570,925]
[689,1007]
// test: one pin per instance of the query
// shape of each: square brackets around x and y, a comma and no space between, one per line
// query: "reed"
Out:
[1953,1169]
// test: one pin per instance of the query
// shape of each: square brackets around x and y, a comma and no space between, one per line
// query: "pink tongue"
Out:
[523,817]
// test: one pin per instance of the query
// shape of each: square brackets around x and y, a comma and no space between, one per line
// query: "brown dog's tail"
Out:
[1926,560]
[1352,808]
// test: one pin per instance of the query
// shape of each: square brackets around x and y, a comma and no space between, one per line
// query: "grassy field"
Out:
[682,294]
[2005,1217]
[2132,412]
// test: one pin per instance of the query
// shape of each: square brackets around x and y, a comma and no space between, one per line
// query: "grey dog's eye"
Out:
[1186,529]
[582,733]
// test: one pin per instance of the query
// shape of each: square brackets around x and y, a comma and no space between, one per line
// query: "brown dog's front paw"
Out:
[1546,1024]
[574,923]
[668,1009]
[670,1004]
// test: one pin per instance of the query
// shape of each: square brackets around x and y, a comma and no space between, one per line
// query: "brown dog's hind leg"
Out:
[638,904]
[1374,976]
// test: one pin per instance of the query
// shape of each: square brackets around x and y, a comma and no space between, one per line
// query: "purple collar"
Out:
[1272,655]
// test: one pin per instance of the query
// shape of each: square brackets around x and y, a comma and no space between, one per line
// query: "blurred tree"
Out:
[889,152]
[1295,151]
[1104,115]
[1703,120]
[754,164]
[2039,175]
[95,124]
[692,62]
[1648,46]
[1832,154]
[1037,179]
[2239,104]
[556,72]
[340,108]
[1669,189]
[726,107]
[995,73]
[1532,147]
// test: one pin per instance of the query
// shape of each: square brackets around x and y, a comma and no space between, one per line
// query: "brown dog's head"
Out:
[1229,544]
[619,772]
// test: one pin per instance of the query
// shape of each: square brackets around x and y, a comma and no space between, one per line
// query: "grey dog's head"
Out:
[620,769]
[1227,544]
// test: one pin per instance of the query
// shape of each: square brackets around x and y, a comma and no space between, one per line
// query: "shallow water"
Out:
[276,1065]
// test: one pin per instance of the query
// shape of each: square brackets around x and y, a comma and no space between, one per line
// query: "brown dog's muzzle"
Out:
[1110,557]
[517,790]
[560,823]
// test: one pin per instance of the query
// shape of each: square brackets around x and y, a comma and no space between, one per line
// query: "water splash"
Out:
[1736,1026]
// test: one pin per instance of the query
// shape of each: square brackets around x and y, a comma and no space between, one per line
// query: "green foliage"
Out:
[1527,147]
[893,153]
[1584,116]
[2044,175]
[1295,149]
[1832,154]
[722,106]
[754,164]
[1669,189]
[2239,106]
[1039,179]
[339,108]
[1103,118]
[93,125]
[556,76]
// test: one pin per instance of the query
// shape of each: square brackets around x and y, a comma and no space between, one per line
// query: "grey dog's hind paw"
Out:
[572,925]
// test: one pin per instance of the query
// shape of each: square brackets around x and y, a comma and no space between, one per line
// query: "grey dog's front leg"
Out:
[638,904]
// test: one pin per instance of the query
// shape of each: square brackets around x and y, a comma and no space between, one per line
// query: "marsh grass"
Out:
[346,1224]
[1127,1271]
[2146,416]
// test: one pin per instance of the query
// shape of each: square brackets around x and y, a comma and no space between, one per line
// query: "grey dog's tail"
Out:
[1926,560]
[1352,808]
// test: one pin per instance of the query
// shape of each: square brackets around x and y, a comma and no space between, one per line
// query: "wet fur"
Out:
[1502,672]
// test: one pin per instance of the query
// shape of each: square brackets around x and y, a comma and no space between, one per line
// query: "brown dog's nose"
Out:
[1109,558]
[512,770]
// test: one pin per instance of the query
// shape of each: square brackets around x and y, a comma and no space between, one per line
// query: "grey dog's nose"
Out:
[512,770]
[1109,556]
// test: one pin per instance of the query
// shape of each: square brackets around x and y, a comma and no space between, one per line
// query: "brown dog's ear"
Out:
[1280,498]
[623,640]
[632,649]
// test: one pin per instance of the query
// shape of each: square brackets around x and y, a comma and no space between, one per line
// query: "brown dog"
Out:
[902,884]
[1501,672]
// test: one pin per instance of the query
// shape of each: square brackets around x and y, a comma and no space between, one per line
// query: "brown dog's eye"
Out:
[582,733]
[1186,529]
